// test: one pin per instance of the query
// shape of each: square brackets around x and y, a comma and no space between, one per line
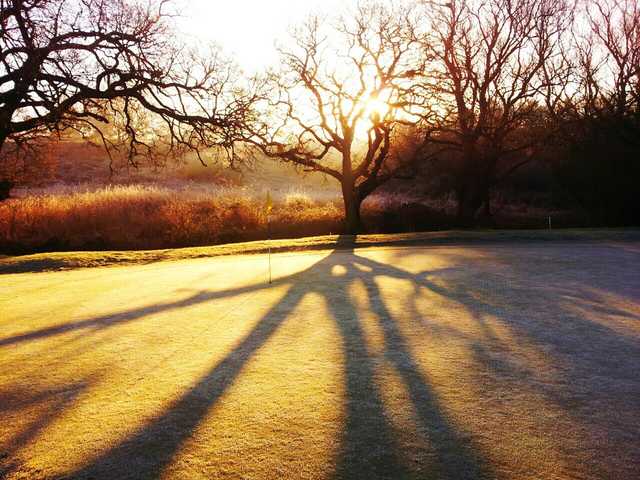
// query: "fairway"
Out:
[494,361]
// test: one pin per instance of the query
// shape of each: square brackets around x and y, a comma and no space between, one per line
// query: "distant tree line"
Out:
[483,88]
[480,88]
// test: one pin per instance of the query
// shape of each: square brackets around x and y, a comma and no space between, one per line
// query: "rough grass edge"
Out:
[46,262]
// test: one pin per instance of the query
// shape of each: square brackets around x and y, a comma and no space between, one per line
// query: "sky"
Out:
[247,29]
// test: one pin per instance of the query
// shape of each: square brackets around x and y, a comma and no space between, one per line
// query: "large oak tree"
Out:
[497,68]
[344,91]
[78,64]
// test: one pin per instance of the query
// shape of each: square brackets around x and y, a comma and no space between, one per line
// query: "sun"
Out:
[374,107]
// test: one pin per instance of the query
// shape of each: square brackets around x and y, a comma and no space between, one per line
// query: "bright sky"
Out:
[248,29]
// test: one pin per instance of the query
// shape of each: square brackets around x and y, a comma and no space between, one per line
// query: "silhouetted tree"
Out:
[496,64]
[609,54]
[33,163]
[601,134]
[341,93]
[72,64]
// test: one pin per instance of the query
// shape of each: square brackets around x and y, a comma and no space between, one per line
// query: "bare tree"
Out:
[74,64]
[598,162]
[496,65]
[342,93]
[608,56]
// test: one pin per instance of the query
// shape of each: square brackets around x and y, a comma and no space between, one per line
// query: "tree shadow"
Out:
[526,307]
[369,447]
[114,319]
[51,404]
[552,305]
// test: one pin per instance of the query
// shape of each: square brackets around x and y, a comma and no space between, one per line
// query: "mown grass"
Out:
[43,262]
[500,361]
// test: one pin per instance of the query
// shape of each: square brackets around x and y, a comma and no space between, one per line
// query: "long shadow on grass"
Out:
[49,405]
[556,303]
[368,448]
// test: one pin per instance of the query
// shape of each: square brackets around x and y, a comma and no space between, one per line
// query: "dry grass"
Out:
[180,213]
[153,216]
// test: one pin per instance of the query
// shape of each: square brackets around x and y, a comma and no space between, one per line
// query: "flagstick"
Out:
[269,242]
[268,206]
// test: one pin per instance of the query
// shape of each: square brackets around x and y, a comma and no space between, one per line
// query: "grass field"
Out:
[508,360]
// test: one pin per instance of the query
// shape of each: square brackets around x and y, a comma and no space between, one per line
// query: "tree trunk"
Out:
[473,185]
[352,202]
[5,189]
[486,204]
[470,196]
[5,184]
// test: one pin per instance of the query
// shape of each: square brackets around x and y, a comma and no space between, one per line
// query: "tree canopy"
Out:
[78,64]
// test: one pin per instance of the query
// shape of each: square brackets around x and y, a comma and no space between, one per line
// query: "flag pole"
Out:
[269,242]
[268,207]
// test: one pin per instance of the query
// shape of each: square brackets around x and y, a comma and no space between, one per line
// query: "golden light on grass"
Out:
[132,367]
[383,360]
[285,406]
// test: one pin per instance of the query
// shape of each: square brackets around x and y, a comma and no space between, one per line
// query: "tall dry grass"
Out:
[180,214]
[153,216]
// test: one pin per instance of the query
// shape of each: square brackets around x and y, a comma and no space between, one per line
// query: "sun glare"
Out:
[375,107]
